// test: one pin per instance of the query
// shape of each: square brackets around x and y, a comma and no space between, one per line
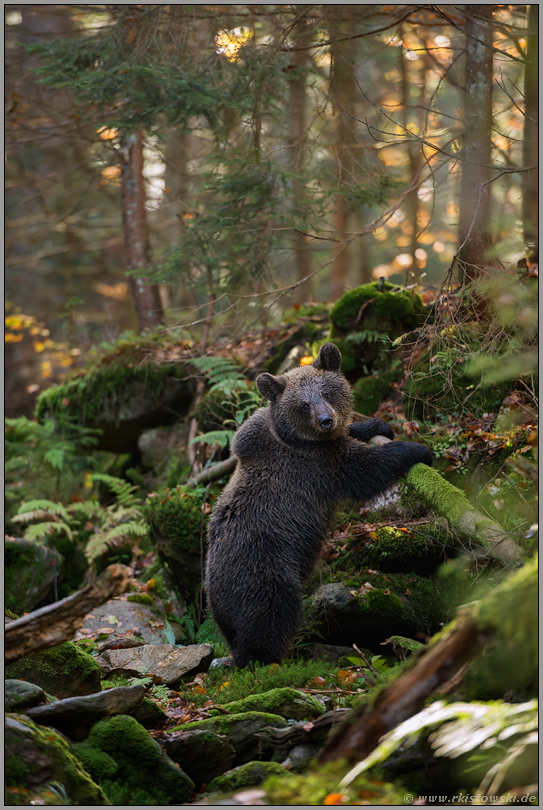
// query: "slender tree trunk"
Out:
[474,235]
[297,142]
[530,186]
[342,95]
[136,236]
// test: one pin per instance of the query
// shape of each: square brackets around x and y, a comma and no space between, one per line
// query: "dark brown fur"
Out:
[298,458]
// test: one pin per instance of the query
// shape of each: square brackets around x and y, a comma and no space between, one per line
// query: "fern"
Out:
[39,532]
[40,508]
[221,437]
[124,491]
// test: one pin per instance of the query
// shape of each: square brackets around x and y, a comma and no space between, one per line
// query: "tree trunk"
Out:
[297,143]
[342,95]
[530,187]
[136,236]
[474,235]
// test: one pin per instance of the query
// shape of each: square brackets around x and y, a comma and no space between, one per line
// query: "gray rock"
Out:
[19,695]
[64,671]
[149,714]
[201,754]
[300,757]
[165,663]
[123,617]
[30,571]
[217,663]
[76,716]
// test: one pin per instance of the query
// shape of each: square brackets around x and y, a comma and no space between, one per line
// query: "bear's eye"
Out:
[305,406]
[327,396]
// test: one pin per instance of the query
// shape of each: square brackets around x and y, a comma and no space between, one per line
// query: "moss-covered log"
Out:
[451,503]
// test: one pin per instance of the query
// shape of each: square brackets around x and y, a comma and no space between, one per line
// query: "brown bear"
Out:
[298,459]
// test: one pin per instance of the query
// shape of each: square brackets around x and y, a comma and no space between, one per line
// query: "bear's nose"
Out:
[326,422]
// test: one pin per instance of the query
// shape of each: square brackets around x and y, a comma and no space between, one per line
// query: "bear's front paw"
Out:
[424,455]
[363,431]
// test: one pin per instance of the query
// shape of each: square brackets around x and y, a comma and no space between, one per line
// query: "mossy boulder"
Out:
[29,574]
[202,754]
[37,756]
[240,730]
[177,530]
[124,390]
[120,752]
[244,776]
[370,606]
[399,550]
[369,392]
[366,319]
[63,671]
[20,695]
[286,702]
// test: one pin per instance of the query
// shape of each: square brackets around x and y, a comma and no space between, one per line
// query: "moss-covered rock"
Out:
[202,754]
[20,695]
[244,776]
[288,703]
[390,549]
[240,730]
[119,751]
[175,522]
[369,392]
[149,714]
[123,392]
[37,756]
[29,574]
[63,671]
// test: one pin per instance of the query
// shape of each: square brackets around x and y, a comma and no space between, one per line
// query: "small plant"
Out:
[95,528]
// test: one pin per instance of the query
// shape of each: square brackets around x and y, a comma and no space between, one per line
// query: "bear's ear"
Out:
[269,386]
[329,358]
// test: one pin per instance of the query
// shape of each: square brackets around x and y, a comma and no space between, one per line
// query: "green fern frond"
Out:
[39,532]
[41,506]
[124,491]
[222,437]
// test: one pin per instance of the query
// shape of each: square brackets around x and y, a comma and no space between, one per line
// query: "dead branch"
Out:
[53,624]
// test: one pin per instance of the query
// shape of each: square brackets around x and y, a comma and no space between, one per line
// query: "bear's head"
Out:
[311,402]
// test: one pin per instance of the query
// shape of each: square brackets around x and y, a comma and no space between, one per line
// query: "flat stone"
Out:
[121,619]
[76,716]
[19,695]
[165,663]
[201,754]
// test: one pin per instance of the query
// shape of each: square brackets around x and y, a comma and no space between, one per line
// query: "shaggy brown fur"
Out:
[298,458]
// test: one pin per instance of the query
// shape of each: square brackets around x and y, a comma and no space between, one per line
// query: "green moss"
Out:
[225,725]
[287,702]
[245,776]
[141,763]
[386,306]
[312,787]
[444,498]
[369,392]
[141,598]
[377,603]
[177,515]
[46,757]
[63,671]
[97,763]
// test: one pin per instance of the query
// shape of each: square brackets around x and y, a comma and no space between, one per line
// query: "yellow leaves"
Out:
[373,535]
[317,682]
[13,337]
[107,134]
[45,368]
[306,361]
[110,174]
[118,291]
[229,42]
[335,798]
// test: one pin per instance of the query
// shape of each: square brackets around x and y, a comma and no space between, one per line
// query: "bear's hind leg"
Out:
[266,629]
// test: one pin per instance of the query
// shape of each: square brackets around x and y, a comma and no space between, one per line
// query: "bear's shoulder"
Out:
[254,435]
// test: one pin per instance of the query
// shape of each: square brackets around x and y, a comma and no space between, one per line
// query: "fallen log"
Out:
[214,472]
[53,624]
[496,616]
[451,503]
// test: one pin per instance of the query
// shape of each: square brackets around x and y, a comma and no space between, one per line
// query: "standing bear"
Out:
[298,459]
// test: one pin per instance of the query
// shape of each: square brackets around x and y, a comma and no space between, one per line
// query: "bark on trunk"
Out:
[136,236]
[530,186]
[474,235]
[297,143]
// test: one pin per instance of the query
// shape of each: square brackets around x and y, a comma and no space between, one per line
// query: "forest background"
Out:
[245,158]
